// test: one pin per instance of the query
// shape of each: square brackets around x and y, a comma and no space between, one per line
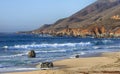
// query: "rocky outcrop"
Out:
[116,17]
[77,56]
[31,54]
[98,32]
[95,31]
[116,32]
[45,65]
[71,32]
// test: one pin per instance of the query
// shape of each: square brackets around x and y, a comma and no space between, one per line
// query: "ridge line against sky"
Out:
[23,15]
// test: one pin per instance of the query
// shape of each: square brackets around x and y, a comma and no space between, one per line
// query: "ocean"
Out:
[14,49]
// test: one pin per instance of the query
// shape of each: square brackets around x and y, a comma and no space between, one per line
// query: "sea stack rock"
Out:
[31,54]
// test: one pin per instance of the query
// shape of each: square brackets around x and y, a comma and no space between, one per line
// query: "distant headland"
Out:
[100,19]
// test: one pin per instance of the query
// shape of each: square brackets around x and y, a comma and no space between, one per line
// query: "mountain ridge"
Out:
[100,19]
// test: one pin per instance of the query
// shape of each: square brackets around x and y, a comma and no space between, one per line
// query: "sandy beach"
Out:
[107,63]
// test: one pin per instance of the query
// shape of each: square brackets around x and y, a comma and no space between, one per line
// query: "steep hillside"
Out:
[100,19]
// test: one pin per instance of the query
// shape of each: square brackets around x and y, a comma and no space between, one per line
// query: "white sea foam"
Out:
[113,47]
[51,51]
[25,69]
[5,47]
[55,45]
[16,69]
[81,53]
[12,56]
[107,41]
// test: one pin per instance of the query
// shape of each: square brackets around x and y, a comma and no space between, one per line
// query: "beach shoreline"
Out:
[106,63]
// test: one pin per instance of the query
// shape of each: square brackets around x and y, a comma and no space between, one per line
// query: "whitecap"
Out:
[51,51]
[54,45]
[12,56]
[16,69]
[5,47]
[107,41]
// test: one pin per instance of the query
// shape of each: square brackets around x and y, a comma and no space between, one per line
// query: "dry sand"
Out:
[107,63]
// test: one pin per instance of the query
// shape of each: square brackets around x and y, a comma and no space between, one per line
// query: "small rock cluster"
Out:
[32,54]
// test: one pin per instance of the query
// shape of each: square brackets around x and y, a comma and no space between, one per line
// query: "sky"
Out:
[25,15]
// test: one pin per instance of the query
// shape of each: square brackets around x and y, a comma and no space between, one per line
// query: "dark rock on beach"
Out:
[77,56]
[31,54]
[45,65]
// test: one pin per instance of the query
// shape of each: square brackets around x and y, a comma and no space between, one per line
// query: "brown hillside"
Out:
[101,18]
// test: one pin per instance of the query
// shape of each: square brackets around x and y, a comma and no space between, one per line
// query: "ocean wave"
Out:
[5,47]
[107,41]
[113,47]
[52,51]
[12,56]
[54,48]
[16,69]
[101,42]
[54,45]
[81,53]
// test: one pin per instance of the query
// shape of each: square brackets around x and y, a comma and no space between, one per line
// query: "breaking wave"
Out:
[55,45]
[12,56]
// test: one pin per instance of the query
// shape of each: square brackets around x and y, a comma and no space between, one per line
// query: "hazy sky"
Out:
[20,15]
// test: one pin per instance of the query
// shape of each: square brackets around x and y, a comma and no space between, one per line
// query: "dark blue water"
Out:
[14,49]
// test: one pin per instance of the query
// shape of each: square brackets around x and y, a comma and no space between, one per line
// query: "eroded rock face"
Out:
[116,17]
[116,31]
[99,31]
[95,31]
[72,32]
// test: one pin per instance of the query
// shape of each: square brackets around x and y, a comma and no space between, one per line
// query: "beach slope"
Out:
[106,63]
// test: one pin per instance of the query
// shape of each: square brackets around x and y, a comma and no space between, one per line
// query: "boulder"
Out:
[46,65]
[31,54]
[77,56]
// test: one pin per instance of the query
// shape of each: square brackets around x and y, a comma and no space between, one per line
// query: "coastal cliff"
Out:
[100,19]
